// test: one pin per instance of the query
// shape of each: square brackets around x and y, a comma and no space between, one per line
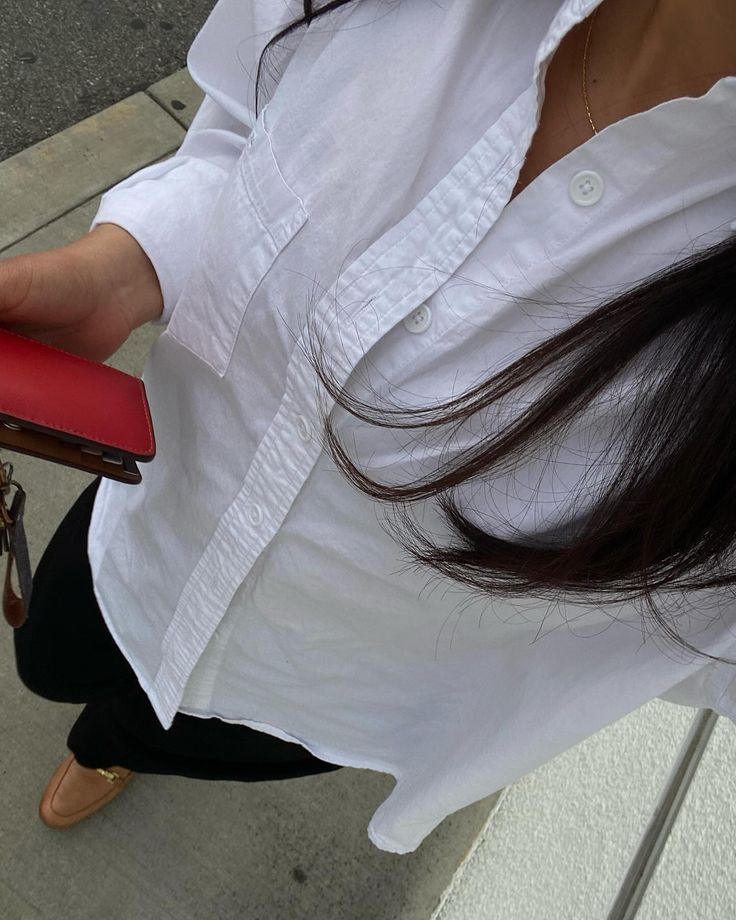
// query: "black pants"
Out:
[64,652]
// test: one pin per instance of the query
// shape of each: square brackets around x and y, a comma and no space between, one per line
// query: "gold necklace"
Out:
[585,61]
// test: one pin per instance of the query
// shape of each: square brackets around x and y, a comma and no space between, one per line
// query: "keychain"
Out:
[14,545]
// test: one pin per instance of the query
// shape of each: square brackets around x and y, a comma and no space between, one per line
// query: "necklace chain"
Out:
[585,62]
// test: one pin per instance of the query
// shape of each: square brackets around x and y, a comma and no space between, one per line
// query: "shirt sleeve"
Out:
[165,205]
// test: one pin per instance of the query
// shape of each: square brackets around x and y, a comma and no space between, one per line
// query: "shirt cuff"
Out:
[165,207]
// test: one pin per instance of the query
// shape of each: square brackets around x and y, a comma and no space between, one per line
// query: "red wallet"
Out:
[70,410]
[60,407]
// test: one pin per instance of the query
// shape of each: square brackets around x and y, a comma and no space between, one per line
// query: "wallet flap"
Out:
[54,390]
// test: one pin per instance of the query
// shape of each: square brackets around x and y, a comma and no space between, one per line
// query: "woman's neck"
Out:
[641,48]
[641,53]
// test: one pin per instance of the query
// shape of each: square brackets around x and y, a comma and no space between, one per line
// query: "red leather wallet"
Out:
[70,410]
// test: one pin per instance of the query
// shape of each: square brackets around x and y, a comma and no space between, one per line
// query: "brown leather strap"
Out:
[13,607]
[49,446]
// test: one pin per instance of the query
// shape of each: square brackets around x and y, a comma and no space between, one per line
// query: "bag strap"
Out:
[13,542]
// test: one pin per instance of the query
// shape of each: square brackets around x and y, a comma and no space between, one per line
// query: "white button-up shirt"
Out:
[245,578]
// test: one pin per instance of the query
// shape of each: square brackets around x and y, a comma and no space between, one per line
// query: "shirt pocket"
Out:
[255,217]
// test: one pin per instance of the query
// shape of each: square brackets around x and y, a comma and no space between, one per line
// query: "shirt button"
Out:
[303,429]
[586,188]
[255,513]
[420,319]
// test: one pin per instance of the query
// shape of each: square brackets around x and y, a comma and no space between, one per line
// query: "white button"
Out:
[586,188]
[420,319]
[255,513]
[303,429]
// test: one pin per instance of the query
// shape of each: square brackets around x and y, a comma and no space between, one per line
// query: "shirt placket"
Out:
[381,288]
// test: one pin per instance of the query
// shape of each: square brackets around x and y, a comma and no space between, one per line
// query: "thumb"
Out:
[46,289]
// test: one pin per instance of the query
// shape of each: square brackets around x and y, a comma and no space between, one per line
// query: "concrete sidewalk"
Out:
[556,845]
[169,847]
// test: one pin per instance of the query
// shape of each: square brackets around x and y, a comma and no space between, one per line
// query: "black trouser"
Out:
[65,652]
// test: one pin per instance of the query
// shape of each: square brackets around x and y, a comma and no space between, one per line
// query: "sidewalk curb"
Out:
[52,178]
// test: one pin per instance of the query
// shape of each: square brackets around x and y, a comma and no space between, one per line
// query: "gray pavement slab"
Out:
[171,847]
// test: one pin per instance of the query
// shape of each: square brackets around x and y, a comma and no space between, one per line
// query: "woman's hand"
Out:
[86,297]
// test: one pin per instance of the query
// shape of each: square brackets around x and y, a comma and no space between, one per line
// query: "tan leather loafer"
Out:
[76,792]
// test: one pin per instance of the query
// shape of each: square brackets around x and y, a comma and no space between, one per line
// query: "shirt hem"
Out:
[323,752]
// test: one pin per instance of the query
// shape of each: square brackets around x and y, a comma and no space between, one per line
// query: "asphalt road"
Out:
[62,60]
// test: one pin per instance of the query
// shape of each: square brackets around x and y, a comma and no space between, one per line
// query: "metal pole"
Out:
[665,813]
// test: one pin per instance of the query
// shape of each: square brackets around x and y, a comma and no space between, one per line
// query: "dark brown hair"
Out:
[667,518]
